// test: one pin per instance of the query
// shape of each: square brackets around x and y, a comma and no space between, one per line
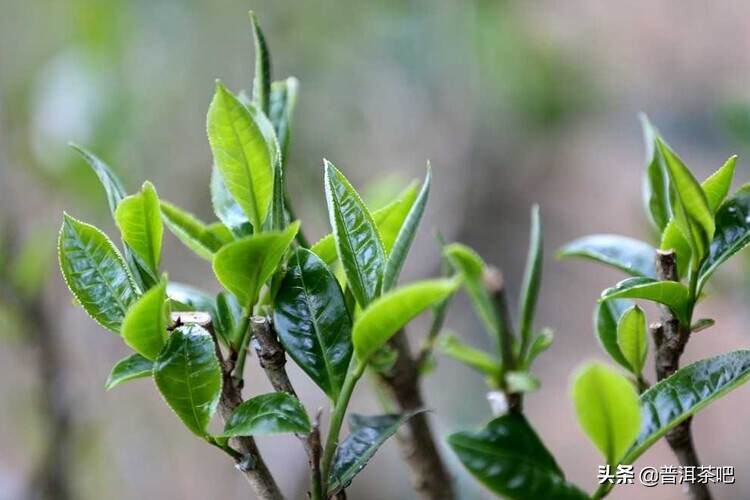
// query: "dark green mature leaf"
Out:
[656,180]
[95,273]
[508,457]
[718,184]
[245,151]
[455,348]
[366,435]
[627,254]
[732,233]
[632,338]
[201,238]
[138,217]
[669,293]
[313,323]
[188,375]
[690,389]
[273,413]
[607,408]
[357,240]
[243,266]
[283,102]
[392,311]
[144,328]
[689,204]
[110,182]
[405,237]
[531,281]
[606,317]
[262,80]
[130,368]
[226,208]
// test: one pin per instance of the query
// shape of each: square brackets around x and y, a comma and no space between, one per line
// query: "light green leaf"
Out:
[607,408]
[245,150]
[531,281]
[392,311]
[283,102]
[95,273]
[718,184]
[541,343]
[144,328]
[226,208]
[405,237]
[632,339]
[262,80]
[138,217]
[455,348]
[199,237]
[188,375]
[243,266]
[606,317]
[656,180]
[672,239]
[273,413]
[357,240]
[130,368]
[669,293]
[626,254]
[194,299]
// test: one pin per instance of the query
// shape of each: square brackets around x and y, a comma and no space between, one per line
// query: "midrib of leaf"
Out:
[188,384]
[99,272]
[256,208]
[348,237]
[147,217]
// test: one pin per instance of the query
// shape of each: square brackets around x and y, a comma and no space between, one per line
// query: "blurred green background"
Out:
[513,103]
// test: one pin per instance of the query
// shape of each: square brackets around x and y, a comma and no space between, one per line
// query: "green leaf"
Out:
[656,180]
[606,317]
[626,254]
[313,323]
[188,375]
[95,273]
[199,237]
[130,368]
[262,80]
[366,435]
[228,317]
[674,399]
[718,184]
[194,299]
[357,240]
[521,381]
[531,281]
[390,312]
[508,457]
[283,102]
[243,266]
[541,343]
[245,150]
[732,233]
[274,413]
[669,293]
[632,339]
[607,408]
[455,348]
[144,328]
[689,205]
[226,208]
[405,237]
[110,182]
[672,239]
[138,217]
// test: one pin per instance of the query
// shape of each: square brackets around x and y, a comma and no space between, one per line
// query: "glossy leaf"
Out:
[366,435]
[139,218]
[406,234]
[313,323]
[392,311]
[243,266]
[95,273]
[455,348]
[531,281]
[226,208]
[109,181]
[508,457]
[244,149]
[188,375]
[199,237]
[732,233]
[274,413]
[632,338]
[357,240]
[669,293]
[194,299]
[144,328]
[130,368]
[689,205]
[717,185]
[262,80]
[672,239]
[228,317]
[607,408]
[626,254]
[656,180]
[281,111]
[606,318]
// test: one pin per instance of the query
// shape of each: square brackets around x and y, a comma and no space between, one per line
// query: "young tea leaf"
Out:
[226,208]
[718,184]
[190,297]
[455,348]
[144,328]
[672,239]
[626,254]
[130,368]
[95,273]
[656,180]
[274,413]
[188,375]
[228,317]
[607,408]
[139,218]
[109,181]
[632,339]
[606,317]
[283,102]
[199,237]
[531,281]
[262,80]
[313,323]
[669,293]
